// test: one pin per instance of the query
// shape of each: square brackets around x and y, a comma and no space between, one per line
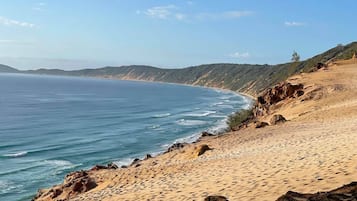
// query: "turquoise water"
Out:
[50,126]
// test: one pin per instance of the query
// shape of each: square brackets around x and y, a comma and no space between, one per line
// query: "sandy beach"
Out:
[315,150]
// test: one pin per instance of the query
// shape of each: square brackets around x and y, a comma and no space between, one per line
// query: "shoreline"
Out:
[218,91]
[196,136]
[250,100]
[262,162]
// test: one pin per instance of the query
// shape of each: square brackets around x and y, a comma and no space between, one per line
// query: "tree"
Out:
[295,57]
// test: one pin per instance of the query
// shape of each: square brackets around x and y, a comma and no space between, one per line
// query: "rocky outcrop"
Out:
[260,124]
[101,167]
[276,94]
[136,162]
[201,149]
[74,184]
[176,146]
[206,134]
[216,198]
[279,92]
[148,156]
[318,66]
[276,119]
[344,193]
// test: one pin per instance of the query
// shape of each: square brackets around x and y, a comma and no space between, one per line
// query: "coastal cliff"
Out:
[243,78]
[306,145]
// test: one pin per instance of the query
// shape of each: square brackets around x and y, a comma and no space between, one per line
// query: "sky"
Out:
[74,34]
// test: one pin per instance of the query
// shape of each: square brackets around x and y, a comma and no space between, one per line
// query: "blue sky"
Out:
[72,34]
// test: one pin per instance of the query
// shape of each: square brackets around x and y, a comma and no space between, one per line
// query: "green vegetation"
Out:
[295,57]
[239,118]
[247,78]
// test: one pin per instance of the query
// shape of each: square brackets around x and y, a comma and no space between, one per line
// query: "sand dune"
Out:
[315,150]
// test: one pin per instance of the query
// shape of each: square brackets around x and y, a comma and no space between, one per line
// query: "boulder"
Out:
[112,166]
[176,146]
[344,193]
[206,134]
[216,198]
[202,149]
[79,182]
[276,119]
[260,124]
[101,167]
[74,184]
[318,66]
[98,167]
[147,156]
[135,162]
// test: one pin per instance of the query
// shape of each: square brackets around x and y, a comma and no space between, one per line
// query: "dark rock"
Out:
[260,124]
[202,149]
[216,198]
[344,193]
[112,166]
[102,167]
[98,167]
[203,135]
[298,93]
[56,192]
[123,166]
[135,162]
[276,119]
[320,65]
[176,146]
[317,67]
[206,134]
[147,156]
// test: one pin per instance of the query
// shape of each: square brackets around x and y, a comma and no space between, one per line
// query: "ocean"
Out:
[53,125]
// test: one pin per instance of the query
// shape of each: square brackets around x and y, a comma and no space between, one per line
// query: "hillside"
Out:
[245,78]
[7,69]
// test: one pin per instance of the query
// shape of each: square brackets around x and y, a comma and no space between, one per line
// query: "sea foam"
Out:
[183,122]
[203,114]
[161,115]
[17,154]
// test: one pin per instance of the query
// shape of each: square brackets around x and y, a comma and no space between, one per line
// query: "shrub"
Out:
[239,118]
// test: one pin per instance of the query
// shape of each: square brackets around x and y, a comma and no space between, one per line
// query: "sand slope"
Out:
[316,150]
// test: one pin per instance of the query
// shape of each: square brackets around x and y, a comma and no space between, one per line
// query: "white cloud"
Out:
[161,12]
[172,12]
[224,15]
[10,22]
[240,55]
[236,14]
[294,24]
